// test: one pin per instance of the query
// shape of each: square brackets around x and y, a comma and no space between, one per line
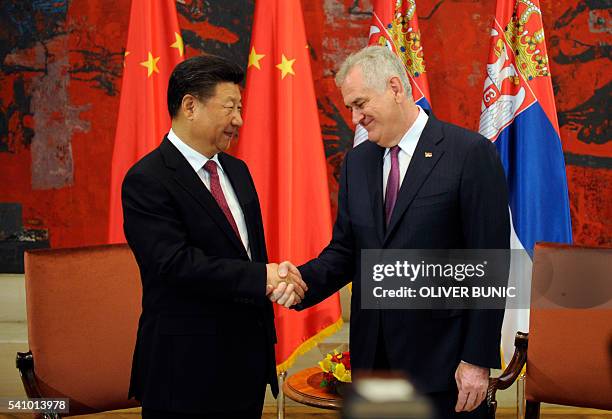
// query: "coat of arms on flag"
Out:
[518,55]
[395,25]
[397,28]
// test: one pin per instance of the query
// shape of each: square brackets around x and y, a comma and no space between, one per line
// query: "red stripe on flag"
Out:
[154,48]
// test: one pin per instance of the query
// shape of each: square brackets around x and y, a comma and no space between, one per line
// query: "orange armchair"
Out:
[83,306]
[569,353]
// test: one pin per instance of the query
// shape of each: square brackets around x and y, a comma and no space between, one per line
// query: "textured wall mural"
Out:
[61,64]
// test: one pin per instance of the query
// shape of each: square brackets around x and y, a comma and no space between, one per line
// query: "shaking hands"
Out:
[284,284]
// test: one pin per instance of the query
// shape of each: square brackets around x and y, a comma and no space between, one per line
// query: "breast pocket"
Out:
[440,199]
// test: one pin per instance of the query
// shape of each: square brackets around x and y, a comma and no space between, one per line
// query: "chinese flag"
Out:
[154,47]
[282,145]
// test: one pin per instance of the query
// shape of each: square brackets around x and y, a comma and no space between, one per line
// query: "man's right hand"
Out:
[285,287]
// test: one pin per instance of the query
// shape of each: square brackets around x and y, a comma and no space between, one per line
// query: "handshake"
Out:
[284,284]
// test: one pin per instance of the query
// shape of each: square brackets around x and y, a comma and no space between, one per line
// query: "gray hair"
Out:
[378,65]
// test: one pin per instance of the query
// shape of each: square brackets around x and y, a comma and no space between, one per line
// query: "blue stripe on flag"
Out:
[423,103]
[530,150]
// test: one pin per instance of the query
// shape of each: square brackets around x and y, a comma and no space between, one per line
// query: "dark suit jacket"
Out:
[206,332]
[455,199]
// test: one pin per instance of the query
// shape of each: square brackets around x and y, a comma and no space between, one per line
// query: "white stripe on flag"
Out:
[516,319]
[361,135]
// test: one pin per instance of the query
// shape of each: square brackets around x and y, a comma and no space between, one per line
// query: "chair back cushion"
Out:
[83,306]
[569,360]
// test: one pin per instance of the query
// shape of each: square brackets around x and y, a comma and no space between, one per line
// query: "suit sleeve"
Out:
[486,225]
[335,266]
[157,235]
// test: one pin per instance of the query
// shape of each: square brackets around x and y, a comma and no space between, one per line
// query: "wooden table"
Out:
[304,387]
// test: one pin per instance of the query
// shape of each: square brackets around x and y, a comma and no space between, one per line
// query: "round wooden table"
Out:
[304,387]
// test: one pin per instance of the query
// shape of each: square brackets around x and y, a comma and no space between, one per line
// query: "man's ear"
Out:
[397,88]
[188,105]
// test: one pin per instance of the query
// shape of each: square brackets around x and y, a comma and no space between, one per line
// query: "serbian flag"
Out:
[395,25]
[154,48]
[282,144]
[518,114]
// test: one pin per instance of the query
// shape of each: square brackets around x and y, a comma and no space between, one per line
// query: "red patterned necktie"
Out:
[392,184]
[217,193]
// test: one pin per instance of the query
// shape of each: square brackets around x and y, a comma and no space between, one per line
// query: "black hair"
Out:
[198,76]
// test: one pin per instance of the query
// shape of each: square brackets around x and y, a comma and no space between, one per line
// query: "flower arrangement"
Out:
[336,369]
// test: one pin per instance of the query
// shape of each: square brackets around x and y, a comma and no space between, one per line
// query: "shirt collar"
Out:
[410,139]
[195,159]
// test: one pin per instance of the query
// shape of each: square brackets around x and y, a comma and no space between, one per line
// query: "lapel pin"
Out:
[428,154]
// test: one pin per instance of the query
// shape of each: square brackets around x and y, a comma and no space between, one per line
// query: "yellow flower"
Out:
[342,374]
[326,364]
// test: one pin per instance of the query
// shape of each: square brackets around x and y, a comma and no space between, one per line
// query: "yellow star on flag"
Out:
[286,66]
[178,44]
[254,59]
[151,64]
[125,54]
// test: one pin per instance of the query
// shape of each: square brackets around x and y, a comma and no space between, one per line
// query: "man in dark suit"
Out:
[418,183]
[205,344]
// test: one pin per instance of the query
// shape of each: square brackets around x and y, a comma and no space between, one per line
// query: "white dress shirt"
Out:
[197,161]
[407,146]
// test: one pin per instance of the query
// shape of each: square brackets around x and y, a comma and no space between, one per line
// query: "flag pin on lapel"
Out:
[428,154]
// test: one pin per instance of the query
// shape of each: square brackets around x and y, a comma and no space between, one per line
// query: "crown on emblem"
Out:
[407,40]
[529,48]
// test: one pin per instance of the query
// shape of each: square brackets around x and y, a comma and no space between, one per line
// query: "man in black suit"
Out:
[205,343]
[418,183]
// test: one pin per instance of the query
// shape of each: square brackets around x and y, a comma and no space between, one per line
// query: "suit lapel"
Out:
[242,187]
[426,155]
[375,181]
[187,178]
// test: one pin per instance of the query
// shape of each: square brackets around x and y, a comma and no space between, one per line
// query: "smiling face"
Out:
[216,120]
[380,113]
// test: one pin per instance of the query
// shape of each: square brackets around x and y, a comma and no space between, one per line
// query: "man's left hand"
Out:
[472,383]
[287,289]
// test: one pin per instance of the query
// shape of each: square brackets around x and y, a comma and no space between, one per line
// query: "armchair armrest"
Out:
[25,364]
[510,374]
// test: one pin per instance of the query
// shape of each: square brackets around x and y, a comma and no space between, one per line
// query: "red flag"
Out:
[395,25]
[154,48]
[282,145]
